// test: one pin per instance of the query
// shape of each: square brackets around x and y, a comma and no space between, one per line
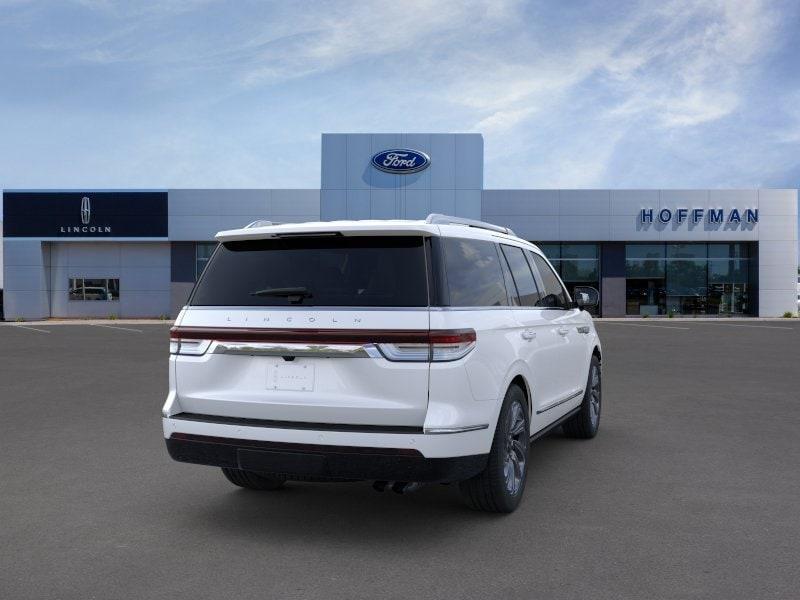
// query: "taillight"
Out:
[190,347]
[407,352]
[452,345]
[440,346]
[403,345]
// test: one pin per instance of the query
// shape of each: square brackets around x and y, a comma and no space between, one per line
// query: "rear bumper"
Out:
[428,445]
[321,461]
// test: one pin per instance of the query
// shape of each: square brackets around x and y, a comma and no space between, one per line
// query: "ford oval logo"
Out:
[401,161]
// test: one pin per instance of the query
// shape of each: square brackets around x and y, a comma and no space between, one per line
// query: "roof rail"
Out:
[260,223]
[437,219]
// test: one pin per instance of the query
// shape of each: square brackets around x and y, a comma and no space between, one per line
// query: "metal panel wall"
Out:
[143,270]
[777,252]
[353,189]
[25,292]
[197,215]
[612,284]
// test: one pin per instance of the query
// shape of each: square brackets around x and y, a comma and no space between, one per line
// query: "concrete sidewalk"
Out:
[696,319]
[50,322]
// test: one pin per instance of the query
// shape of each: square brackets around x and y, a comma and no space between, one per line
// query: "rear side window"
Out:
[553,295]
[316,271]
[523,277]
[474,276]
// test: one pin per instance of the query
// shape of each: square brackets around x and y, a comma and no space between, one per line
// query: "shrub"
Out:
[788,315]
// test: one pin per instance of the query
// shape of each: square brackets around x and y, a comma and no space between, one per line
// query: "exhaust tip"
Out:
[406,487]
[380,486]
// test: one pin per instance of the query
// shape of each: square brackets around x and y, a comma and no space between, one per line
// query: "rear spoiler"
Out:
[257,231]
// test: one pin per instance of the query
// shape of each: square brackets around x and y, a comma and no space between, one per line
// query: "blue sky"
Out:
[105,94]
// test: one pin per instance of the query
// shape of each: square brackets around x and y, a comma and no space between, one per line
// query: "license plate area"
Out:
[287,376]
[284,463]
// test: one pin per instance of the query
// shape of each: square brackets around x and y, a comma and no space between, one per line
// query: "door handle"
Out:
[528,334]
[563,330]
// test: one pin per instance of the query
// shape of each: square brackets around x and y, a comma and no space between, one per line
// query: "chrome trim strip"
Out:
[545,430]
[272,424]
[303,350]
[446,430]
[560,402]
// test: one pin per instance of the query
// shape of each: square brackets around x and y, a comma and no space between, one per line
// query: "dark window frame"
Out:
[511,285]
[523,252]
[568,303]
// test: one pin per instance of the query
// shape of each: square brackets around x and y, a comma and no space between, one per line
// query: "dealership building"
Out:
[137,253]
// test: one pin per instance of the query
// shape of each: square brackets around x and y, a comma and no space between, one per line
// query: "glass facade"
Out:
[688,279]
[577,264]
[715,278]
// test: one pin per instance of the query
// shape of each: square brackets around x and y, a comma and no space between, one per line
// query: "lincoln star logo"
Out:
[86,210]
[401,161]
[86,218]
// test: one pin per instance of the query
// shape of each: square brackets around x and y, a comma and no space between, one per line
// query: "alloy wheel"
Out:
[594,396]
[516,449]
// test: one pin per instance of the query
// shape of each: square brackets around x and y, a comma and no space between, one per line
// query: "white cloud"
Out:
[337,34]
[574,99]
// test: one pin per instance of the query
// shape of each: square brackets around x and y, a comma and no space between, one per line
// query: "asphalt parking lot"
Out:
[690,490]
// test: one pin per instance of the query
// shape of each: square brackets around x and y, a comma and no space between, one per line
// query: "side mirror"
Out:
[586,297]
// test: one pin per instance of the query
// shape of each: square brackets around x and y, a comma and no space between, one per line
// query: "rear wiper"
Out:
[293,294]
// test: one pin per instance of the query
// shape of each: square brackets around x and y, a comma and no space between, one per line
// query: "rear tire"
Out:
[251,480]
[586,422]
[499,487]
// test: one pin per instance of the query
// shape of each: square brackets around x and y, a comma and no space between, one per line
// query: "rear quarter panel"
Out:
[470,391]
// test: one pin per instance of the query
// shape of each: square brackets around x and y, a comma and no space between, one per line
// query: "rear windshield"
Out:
[303,271]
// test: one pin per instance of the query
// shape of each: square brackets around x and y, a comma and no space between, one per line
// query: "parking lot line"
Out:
[747,325]
[641,325]
[115,327]
[31,328]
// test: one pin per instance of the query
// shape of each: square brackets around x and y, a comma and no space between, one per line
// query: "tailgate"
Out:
[302,365]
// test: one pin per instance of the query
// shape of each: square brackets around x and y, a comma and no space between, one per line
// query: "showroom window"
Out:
[203,251]
[687,279]
[645,272]
[729,287]
[83,289]
[577,264]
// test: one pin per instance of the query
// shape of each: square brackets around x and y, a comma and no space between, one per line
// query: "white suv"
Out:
[398,352]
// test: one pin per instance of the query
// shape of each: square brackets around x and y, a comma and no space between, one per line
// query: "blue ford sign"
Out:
[401,161]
